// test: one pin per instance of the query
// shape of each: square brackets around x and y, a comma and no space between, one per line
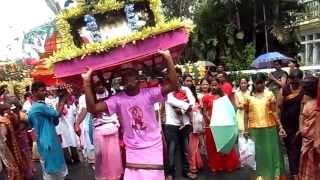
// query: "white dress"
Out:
[66,129]
[88,147]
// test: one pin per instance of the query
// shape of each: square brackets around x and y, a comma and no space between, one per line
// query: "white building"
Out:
[309,30]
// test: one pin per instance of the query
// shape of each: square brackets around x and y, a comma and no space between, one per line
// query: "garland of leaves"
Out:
[68,50]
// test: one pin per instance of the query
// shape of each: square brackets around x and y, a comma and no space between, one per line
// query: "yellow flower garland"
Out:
[68,50]
[17,87]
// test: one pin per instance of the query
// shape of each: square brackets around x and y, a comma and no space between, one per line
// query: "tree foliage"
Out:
[233,31]
[181,8]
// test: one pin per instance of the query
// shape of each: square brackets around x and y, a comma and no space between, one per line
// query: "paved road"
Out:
[84,172]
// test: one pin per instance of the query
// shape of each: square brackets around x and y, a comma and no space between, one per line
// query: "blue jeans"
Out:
[174,137]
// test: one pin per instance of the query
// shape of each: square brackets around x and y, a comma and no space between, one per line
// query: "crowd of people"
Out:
[135,132]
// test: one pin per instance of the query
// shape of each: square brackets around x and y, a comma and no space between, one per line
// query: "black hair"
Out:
[295,62]
[186,75]
[220,91]
[62,93]
[3,107]
[179,71]
[278,61]
[98,83]
[26,95]
[3,89]
[310,87]
[243,77]
[214,79]
[14,101]
[295,74]
[209,74]
[212,68]
[193,87]
[259,78]
[129,72]
[204,79]
[223,73]
[37,85]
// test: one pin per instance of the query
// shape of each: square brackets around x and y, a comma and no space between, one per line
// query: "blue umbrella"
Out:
[265,60]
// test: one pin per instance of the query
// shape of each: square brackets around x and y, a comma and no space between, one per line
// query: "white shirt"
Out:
[82,102]
[112,122]
[65,127]
[171,117]
[26,106]
[85,140]
[52,101]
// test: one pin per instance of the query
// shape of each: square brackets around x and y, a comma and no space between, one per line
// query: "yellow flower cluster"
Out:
[17,87]
[68,50]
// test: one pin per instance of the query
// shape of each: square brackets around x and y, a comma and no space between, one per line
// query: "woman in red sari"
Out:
[216,161]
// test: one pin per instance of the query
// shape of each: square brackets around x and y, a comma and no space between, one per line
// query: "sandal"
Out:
[191,175]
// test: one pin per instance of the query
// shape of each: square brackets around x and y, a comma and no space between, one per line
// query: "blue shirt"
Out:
[44,119]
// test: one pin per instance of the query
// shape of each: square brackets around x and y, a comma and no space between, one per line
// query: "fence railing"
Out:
[311,11]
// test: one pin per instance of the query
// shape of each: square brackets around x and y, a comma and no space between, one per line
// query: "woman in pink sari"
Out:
[108,159]
[310,152]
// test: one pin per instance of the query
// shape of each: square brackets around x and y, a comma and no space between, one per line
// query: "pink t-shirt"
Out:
[137,117]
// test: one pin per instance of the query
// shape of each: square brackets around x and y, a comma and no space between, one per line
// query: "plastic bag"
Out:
[247,152]
[197,122]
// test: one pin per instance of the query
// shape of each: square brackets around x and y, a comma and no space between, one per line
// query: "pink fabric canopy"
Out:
[142,51]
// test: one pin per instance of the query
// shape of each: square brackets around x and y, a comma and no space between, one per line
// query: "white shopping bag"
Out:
[247,152]
[197,122]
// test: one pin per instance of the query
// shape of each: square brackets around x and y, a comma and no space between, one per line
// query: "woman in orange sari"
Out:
[310,152]
[216,161]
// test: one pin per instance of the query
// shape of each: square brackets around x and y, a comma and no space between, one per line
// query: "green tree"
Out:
[181,8]
[233,31]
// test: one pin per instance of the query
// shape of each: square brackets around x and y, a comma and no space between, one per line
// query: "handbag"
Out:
[197,122]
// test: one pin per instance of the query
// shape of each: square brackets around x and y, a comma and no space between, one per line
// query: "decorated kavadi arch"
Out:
[106,34]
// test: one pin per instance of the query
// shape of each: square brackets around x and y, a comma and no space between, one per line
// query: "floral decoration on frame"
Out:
[138,20]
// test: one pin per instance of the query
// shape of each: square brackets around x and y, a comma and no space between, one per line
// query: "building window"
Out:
[310,53]
[303,53]
[318,36]
[303,38]
[318,53]
[310,37]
